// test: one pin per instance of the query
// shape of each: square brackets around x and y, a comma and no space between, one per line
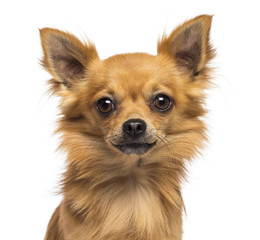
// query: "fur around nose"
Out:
[134,127]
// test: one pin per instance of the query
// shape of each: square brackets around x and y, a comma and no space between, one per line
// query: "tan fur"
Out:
[108,195]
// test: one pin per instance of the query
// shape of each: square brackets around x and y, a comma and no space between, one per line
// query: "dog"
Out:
[129,124]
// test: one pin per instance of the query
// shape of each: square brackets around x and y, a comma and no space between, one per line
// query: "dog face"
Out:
[136,102]
[132,104]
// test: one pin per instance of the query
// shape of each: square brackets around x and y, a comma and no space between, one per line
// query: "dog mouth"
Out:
[134,148]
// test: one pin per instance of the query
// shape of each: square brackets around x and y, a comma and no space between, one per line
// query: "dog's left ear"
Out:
[188,44]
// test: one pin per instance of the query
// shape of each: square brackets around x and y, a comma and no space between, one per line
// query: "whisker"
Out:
[166,143]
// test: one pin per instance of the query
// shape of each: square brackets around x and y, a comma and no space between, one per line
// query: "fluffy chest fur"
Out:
[139,205]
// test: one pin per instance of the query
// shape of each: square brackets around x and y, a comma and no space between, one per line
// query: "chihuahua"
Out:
[128,125]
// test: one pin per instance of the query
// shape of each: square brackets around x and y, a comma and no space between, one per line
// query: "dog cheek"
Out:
[95,125]
[70,106]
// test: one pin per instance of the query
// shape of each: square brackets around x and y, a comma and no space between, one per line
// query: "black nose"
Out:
[134,127]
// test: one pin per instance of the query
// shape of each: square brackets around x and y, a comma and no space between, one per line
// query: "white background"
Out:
[223,194]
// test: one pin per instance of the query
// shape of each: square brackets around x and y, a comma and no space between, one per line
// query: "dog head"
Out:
[132,104]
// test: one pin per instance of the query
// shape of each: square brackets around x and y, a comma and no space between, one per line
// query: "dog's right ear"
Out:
[65,57]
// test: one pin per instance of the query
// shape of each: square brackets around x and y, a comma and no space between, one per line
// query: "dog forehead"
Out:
[134,73]
[135,64]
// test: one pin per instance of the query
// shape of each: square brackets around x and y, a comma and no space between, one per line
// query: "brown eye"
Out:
[105,105]
[162,102]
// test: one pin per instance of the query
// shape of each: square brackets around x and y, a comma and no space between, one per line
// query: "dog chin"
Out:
[134,148]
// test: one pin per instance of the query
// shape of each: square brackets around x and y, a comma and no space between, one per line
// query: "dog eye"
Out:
[105,105]
[162,102]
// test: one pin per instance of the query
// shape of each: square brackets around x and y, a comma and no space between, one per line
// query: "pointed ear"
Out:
[65,57]
[189,44]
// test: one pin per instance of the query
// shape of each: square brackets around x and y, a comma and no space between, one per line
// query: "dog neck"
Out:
[142,196]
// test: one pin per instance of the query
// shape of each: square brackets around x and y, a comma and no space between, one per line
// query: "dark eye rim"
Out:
[169,107]
[103,99]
